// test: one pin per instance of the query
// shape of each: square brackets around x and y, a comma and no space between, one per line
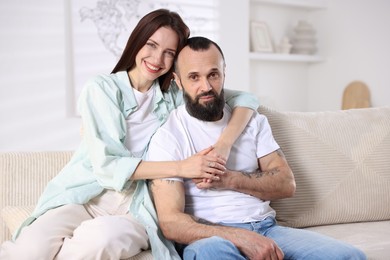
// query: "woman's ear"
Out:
[177,80]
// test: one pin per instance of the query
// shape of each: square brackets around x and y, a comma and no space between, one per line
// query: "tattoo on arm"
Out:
[258,173]
[152,182]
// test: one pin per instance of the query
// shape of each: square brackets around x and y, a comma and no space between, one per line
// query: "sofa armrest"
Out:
[24,175]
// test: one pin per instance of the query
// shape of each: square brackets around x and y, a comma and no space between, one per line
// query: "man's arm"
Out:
[274,179]
[180,227]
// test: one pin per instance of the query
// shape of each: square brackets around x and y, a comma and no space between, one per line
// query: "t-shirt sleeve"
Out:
[157,151]
[266,143]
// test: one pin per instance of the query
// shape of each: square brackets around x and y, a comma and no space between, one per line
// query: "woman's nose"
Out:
[158,58]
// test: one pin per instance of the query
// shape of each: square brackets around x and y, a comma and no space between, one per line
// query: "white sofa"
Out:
[340,159]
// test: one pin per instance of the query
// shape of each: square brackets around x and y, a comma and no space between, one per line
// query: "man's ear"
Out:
[177,80]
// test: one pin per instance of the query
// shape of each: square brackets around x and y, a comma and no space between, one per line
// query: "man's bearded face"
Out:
[209,111]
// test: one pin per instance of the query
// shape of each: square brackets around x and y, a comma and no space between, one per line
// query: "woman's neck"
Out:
[137,83]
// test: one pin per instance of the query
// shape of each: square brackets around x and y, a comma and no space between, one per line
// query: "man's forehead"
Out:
[199,58]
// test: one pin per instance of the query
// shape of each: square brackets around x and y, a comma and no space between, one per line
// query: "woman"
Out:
[98,206]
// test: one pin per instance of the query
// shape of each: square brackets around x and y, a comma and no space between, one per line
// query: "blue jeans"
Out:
[295,244]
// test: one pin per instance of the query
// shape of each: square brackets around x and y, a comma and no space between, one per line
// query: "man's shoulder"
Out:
[168,137]
[176,116]
[173,124]
[257,122]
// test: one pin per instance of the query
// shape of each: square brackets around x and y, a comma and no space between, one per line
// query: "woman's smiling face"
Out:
[156,57]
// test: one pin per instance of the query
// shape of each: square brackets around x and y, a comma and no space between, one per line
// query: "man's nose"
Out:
[205,85]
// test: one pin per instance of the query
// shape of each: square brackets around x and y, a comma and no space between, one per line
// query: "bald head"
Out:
[197,44]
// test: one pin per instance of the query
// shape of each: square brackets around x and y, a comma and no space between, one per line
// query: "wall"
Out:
[234,41]
[353,37]
[357,46]
[32,72]
[33,112]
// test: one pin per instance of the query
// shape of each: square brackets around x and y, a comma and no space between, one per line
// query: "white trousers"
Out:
[101,229]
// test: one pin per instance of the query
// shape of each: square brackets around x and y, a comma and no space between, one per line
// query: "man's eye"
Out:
[214,75]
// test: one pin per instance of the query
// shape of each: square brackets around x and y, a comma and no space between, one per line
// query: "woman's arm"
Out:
[243,104]
[238,121]
[196,165]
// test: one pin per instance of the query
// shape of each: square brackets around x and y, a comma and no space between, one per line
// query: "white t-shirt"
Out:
[142,123]
[183,135]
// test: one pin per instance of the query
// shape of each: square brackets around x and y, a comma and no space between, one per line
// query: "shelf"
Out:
[285,57]
[305,4]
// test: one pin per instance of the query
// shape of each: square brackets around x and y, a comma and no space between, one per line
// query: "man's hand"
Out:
[223,183]
[273,180]
[255,246]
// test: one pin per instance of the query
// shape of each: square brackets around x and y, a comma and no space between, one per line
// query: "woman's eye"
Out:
[171,54]
[151,44]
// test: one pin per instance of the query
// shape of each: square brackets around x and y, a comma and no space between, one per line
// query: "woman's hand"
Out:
[221,150]
[203,166]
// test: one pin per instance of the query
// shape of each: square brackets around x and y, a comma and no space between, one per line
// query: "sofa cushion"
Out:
[370,237]
[13,216]
[341,164]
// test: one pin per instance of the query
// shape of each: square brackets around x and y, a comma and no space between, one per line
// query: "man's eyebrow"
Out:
[192,73]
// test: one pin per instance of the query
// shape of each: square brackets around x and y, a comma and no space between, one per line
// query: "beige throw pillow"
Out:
[341,163]
[13,216]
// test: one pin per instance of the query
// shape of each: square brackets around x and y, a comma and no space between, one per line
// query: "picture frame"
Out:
[261,40]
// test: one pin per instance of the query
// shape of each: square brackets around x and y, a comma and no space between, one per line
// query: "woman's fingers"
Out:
[206,151]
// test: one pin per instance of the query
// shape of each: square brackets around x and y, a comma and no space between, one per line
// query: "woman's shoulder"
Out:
[102,79]
[106,82]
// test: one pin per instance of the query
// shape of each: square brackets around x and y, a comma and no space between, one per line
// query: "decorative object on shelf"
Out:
[304,39]
[284,46]
[260,37]
[356,95]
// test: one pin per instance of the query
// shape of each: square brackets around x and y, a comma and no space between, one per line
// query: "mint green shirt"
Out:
[102,160]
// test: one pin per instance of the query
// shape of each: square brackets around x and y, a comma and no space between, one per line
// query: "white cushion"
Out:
[371,237]
[13,216]
[341,163]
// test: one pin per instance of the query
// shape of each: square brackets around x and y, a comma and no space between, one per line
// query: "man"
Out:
[229,218]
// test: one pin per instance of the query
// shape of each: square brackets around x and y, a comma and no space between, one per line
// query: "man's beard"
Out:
[210,111]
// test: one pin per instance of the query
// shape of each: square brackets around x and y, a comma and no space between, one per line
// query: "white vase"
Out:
[284,46]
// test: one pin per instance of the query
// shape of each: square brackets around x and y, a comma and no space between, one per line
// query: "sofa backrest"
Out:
[341,163]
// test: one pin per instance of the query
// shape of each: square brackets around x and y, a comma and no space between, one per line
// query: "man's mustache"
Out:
[209,93]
